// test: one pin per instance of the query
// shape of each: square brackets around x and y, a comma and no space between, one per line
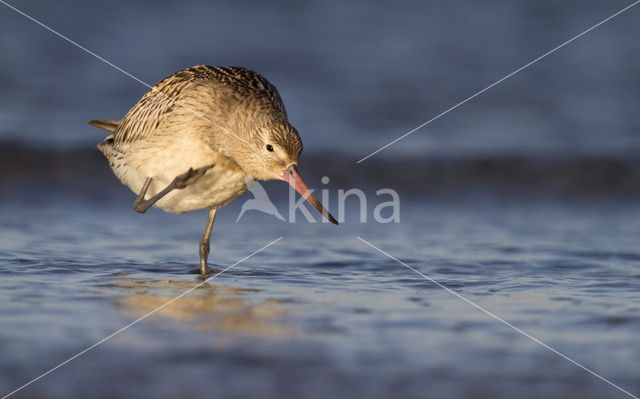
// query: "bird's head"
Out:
[274,145]
[271,153]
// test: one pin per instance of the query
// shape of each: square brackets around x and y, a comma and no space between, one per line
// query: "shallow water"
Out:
[319,313]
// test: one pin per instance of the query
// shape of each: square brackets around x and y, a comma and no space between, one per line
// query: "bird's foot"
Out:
[205,271]
[190,176]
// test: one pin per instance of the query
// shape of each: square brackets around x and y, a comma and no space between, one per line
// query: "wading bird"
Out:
[198,139]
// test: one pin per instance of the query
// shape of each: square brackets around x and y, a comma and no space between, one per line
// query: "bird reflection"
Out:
[209,307]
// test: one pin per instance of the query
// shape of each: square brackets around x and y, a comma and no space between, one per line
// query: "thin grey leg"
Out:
[141,205]
[205,242]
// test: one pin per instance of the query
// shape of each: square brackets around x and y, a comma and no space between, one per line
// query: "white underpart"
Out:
[164,158]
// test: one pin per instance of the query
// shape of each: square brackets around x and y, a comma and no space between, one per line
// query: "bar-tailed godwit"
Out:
[198,138]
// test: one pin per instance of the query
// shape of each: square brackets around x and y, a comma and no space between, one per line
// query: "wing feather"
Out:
[158,104]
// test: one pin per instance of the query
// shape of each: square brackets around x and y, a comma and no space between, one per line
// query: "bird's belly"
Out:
[220,185]
[215,188]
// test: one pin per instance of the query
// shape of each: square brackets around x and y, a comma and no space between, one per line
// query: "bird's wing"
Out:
[158,103]
[147,114]
[245,82]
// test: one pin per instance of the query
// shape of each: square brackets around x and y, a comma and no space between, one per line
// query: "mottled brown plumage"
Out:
[199,137]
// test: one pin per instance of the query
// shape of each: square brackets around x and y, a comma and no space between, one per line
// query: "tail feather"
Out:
[105,124]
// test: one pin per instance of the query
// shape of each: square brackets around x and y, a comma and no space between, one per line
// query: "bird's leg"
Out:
[141,205]
[205,242]
[190,176]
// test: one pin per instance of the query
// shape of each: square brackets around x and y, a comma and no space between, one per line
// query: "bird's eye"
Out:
[269,148]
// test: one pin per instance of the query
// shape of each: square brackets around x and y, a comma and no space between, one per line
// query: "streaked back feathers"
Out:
[248,88]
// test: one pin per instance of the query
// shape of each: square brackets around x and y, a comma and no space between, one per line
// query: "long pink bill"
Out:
[292,177]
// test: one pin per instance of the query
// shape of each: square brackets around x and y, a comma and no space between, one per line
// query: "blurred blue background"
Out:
[353,75]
